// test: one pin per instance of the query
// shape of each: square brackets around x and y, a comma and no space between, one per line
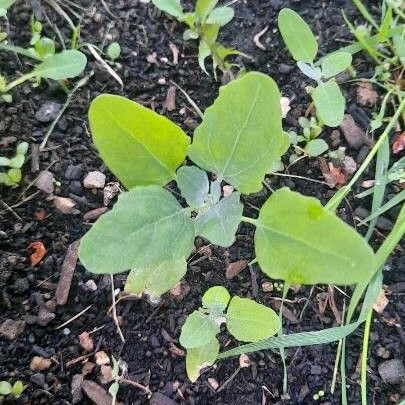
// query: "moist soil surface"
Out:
[151,351]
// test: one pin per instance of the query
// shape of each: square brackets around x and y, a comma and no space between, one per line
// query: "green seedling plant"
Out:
[58,66]
[150,233]
[204,24]
[114,51]
[15,390]
[4,6]
[245,319]
[12,176]
[303,46]
[307,142]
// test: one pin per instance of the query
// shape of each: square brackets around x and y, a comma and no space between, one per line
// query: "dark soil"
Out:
[151,332]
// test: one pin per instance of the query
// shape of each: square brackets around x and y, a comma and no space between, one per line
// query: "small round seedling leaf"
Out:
[138,145]
[198,330]
[17,161]
[193,184]
[146,227]
[45,47]
[316,147]
[22,148]
[329,102]
[172,7]
[201,357]
[64,65]
[18,389]
[14,175]
[220,222]
[335,63]
[216,299]
[5,161]
[156,280]
[297,35]
[301,242]
[221,16]
[5,388]
[241,134]
[249,321]
[114,50]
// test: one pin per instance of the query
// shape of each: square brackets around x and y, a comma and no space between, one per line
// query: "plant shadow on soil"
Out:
[151,331]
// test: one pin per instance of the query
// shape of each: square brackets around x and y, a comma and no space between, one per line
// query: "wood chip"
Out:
[175,53]
[101,358]
[244,361]
[94,214]
[213,383]
[86,342]
[381,302]
[66,274]
[366,95]
[235,268]
[38,252]
[39,363]
[170,102]
[399,143]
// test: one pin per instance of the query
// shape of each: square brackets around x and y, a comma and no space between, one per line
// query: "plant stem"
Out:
[249,220]
[364,354]
[342,193]
[20,51]
[19,81]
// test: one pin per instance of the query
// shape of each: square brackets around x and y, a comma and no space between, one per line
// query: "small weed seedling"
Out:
[297,240]
[319,395]
[15,390]
[303,46]
[114,51]
[13,175]
[204,24]
[246,321]
[60,66]
[312,146]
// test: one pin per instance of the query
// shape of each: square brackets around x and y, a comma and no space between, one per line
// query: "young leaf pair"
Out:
[246,321]
[303,46]
[13,175]
[204,24]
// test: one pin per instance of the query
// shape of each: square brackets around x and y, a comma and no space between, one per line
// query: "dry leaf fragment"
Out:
[39,363]
[399,143]
[101,358]
[381,302]
[39,252]
[256,38]
[106,375]
[366,95]
[285,106]
[170,102]
[235,268]
[152,58]
[86,342]
[64,205]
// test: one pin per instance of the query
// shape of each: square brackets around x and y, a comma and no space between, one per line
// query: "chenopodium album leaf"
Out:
[241,135]
[138,145]
[301,242]
[146,228]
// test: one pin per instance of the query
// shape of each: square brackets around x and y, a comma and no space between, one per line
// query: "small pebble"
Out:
[48,112]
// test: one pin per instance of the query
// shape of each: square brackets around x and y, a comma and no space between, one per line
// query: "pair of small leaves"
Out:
[16,389]
[246,320]
[238,140]
[302,44]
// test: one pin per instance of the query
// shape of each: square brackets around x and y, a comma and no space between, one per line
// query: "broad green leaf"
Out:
[221,16]
[139,146]
[301,242]
[18,389]
[5,388]
[335,63]
[65,65]
[203,52]
[216,299]
[313,73]
[156,280]
[6,3]
[220,222]
[249,321]
[146,227]
[297,35]
[198,330]
[193,184]
[4,161]
[172,7]
[241,135]
[204,7]
[316,147]
[201,357]
[329,103]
